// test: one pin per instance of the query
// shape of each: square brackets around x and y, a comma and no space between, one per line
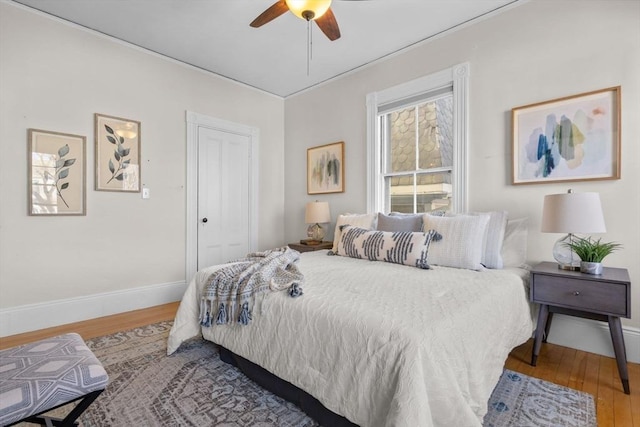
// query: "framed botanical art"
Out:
[575,138]
[117,154]
[57,173]
[325,169]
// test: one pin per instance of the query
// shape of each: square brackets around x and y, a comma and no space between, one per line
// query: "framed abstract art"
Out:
[575,138]
[325,169]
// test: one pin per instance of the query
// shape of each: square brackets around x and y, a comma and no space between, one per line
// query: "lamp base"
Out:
[564,255]
[315,232]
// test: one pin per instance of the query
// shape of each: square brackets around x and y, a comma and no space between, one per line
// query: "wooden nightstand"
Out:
[310,248]
[605,297]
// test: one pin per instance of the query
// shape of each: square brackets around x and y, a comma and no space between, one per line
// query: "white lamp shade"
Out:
[572,213]
[317,212]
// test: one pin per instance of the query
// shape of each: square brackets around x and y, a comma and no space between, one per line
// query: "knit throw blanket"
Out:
[231,290]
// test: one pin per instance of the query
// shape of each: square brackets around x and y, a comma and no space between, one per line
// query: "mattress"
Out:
[381,344]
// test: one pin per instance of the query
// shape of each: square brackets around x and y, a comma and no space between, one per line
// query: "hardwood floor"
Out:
[591,373]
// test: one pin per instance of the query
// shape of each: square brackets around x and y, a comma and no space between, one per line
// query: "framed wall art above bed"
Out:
[575,138]
[325,169]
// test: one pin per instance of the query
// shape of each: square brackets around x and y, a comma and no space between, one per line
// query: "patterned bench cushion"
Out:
[45,374]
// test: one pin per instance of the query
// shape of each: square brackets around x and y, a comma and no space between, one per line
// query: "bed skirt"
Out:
[309,404]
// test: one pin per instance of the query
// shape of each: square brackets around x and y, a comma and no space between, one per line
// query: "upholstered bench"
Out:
[38,377]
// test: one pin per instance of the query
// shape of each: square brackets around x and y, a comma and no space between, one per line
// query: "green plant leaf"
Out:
[63,173]
[111,139]
[111,167]
[60,163]
[109,129]
[69,162]
[116,155]
[64,150]
[120,177]
[64,186]
[125,163]
[591,250]
[121,140]
[120,149]
[125,152]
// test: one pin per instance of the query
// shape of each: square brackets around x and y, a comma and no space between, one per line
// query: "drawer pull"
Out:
[576,293]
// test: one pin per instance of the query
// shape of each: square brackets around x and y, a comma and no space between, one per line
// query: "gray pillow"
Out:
[395,222]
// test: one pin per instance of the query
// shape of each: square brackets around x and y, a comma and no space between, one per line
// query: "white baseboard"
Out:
[31,317]
[592,336]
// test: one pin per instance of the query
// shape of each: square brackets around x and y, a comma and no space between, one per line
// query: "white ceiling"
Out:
[215,35]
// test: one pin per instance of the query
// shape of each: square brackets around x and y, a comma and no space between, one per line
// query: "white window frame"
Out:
[456,77]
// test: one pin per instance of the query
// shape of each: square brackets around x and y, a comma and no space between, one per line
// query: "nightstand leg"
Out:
[547,327]
[540,327]
[615,327]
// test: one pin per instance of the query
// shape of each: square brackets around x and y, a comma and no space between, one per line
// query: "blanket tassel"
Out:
[295,290]
[221,318]
[245,315]
[206,321]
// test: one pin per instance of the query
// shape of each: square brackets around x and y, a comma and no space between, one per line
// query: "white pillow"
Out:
[514,248]
[366,221]
[399,247]
[491,255]
[462,241]
[493,238]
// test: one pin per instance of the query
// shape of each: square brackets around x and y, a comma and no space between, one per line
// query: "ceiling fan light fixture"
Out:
[308,9]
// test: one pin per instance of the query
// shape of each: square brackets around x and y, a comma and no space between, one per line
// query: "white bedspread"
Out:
[381,344]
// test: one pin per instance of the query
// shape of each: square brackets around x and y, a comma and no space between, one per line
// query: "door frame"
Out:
[194,122]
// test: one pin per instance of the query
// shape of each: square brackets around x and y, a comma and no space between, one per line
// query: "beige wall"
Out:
[538,51]
[55,76]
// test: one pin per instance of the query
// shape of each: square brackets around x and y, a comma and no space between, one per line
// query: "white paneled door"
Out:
[224,184]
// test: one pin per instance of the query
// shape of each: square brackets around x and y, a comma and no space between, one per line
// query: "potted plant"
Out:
[592,252]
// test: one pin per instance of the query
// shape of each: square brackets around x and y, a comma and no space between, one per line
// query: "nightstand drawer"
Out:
[593,296]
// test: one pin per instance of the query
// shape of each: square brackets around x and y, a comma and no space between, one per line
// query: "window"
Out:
[417,144]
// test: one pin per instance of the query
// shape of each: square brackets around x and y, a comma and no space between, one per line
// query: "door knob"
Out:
[204,220]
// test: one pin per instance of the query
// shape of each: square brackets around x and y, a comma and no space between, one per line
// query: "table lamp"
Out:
[571,213]
[315,214]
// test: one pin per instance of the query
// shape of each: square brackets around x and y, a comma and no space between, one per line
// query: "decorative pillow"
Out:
[366,221]
[400,247]
[493,238]
[462,240]
[514,248]
[491,255]
[391,222]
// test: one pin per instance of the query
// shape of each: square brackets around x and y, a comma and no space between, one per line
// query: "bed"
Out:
[378,343]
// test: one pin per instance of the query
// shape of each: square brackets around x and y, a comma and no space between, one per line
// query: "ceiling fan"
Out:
[309,10]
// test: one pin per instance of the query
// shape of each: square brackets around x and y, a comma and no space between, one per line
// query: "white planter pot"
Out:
[591,267]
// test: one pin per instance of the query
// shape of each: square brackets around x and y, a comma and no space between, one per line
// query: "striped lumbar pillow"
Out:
[400,247]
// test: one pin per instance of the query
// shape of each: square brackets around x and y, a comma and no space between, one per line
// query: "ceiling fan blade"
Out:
[329,25]
[277,9]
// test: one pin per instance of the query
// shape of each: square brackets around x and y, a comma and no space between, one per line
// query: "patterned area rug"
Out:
[193,387]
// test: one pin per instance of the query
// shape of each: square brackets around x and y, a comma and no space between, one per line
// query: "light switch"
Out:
[146,193]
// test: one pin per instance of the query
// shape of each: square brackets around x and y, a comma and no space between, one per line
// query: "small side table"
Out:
[310,248]
[605,297]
